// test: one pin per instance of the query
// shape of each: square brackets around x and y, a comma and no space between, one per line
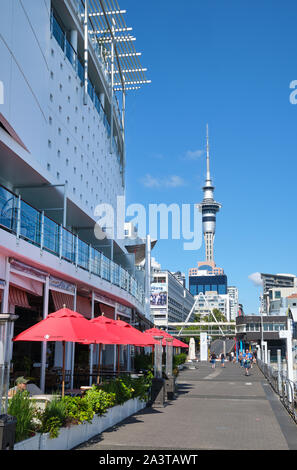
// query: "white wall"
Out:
[24,39]
[73,144]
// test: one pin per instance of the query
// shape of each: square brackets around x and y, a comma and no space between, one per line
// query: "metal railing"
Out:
[285,388]
[32,225]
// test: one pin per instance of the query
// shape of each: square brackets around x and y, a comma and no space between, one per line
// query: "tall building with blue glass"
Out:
[203,284]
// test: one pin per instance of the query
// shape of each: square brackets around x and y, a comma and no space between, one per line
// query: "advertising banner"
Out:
[158,294]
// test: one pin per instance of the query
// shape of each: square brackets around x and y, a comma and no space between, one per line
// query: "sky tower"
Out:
[209,207]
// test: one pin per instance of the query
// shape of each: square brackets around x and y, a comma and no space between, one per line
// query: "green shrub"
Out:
[142,386]
[119,388]
[53,418]
[100,400]
[23,409]
[179,359]
[78,410]
[143,362]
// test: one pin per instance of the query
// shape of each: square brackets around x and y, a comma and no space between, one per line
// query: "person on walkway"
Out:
[247,364]
[213,358]
[222,360]
[248,354]
[240,359]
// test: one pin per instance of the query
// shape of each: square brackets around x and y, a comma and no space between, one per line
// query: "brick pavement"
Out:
[218,409]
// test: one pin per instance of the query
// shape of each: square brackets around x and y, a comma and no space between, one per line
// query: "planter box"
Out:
[74,435]
[33,443]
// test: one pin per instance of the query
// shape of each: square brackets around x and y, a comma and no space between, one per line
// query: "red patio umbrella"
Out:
[156,332]
[125,332]
[66,325]
[139,338]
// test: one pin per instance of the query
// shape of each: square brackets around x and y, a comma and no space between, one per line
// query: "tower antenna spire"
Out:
[209,208]
[207,155]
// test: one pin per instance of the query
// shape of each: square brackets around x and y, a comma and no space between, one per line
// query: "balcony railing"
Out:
[32,225]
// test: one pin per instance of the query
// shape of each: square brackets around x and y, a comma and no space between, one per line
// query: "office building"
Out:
[233,302]
[170,300]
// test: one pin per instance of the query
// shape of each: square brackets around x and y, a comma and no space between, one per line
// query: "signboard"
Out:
[283,333]
[158,294]
[203,347]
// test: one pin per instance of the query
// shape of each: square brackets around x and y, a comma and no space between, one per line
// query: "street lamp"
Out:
[170,380]
[7,423]
[6,334]
[169,358]
[158,358]
[262,334]
[158,388]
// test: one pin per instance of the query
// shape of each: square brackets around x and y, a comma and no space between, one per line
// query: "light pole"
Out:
[7,423]
[170,380]
[158,383]
[158,358]
[262,334]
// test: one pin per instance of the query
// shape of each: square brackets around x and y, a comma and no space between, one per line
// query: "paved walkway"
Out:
[215,409]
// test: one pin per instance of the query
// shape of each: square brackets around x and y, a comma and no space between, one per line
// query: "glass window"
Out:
[277,294]
[222,289]
[193,290]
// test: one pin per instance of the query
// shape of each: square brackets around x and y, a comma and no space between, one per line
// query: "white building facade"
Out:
[62,153]
[206,303]
[170,300]
[233,302]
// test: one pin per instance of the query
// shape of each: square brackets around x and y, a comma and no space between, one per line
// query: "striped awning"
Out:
[18,297]
[60,300]
[83,306]
[107,310]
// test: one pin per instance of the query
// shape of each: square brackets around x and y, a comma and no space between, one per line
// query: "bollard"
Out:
[279,372]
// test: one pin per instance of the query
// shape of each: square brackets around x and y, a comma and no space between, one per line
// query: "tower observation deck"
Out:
[209,207]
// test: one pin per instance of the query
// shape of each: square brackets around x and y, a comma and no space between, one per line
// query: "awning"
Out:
[84,306]
[60,300]
[107,310]
[29,285]
[18,297]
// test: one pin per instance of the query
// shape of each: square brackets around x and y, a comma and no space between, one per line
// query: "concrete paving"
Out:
[218,409]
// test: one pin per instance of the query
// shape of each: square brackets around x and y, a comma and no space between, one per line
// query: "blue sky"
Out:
[228,63]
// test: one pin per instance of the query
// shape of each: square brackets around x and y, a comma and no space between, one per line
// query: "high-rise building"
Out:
[270,281]
[68,66]
[170,300]
[206,303]
[180,277]
[233,302]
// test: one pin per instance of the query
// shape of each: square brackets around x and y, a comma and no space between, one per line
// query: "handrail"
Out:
[41,231]
[285,388]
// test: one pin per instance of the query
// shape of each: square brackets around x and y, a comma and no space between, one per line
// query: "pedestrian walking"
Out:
[247,364]
[222,360]
[213,358]
[240,359]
